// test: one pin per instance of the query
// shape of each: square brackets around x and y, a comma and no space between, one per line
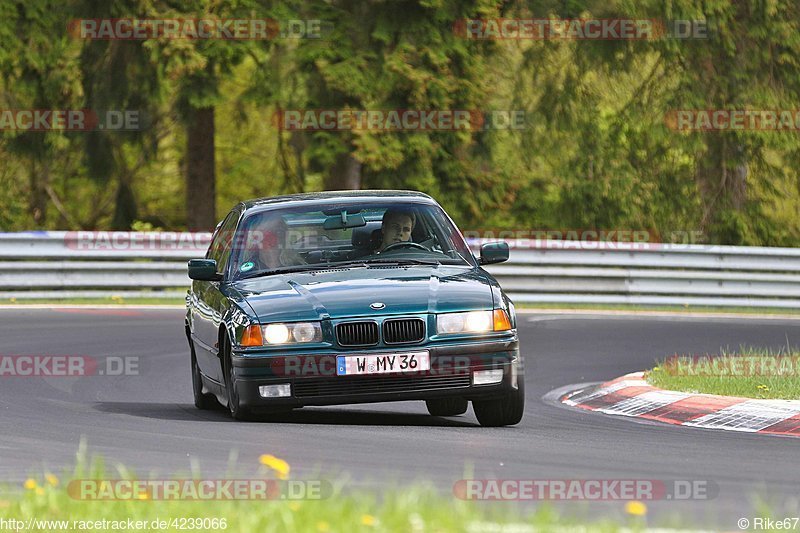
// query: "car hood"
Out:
[340,293]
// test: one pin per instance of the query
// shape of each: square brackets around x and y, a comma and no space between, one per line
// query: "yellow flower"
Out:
[30,484]
[368,520]
[39,491]
[143,496]
[13,300]
[53,480]
[280,466]
[323,526]
[294,506]
[636,508]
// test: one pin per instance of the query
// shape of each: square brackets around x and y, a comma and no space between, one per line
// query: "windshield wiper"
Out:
[283,270]
[306,268]
[338,264]
[400,262]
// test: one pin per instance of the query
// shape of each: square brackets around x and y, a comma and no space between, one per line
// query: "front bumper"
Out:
[314,381]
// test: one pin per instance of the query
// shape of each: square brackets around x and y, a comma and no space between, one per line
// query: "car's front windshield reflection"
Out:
[285,240]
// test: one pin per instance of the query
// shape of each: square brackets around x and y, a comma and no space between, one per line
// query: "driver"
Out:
[265,246]
[397,225]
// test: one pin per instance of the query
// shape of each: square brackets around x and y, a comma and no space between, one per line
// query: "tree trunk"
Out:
[722,178]
[345,174]
[125,210]
[37,199]
[200,170]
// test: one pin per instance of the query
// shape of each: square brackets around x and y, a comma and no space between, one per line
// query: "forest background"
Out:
[597,150]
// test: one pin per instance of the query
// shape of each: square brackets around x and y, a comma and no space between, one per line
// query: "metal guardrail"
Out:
[78,264]
[90,264]
[652,274]
[103,245]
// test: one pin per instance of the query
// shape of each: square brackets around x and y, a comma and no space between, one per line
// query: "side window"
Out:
[220,249]
[215,237]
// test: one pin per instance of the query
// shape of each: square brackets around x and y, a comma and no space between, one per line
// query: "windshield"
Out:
[286,240]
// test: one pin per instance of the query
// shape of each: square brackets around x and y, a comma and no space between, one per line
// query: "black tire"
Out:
[237,411]
[447,406]
[202,401]
[505,411]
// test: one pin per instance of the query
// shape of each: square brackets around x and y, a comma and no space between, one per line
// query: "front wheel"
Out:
[202,401]
[447,406]
[505,411]
[237,411]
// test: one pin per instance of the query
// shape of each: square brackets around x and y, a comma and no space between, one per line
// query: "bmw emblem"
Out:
[377,305]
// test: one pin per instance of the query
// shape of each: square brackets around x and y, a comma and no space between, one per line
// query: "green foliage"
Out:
[751,373]
[51,502]
[596,151]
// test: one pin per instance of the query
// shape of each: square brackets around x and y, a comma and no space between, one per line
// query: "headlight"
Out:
[276,334]
[282,333]
[472,322]
[307,332]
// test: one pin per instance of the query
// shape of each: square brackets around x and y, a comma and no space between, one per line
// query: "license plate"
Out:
[353,365]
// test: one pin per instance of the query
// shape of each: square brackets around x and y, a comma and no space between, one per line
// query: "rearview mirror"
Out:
[204,270]
[343,220]
[494,252]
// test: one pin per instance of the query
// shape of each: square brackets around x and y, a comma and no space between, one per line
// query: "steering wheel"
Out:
[396,245]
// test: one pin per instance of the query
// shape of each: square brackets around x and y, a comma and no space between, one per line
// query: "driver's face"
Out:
[267,239]
[396,229]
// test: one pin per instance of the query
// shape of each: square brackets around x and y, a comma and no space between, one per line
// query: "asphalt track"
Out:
[148,423]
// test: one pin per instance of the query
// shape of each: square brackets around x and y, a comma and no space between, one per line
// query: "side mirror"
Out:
[494,252]
[203,270]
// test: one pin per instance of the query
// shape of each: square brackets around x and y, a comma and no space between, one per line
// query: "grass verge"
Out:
[53,504]
[416,509]
[750,373]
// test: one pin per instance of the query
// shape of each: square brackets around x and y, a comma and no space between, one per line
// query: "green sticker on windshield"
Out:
[247,266]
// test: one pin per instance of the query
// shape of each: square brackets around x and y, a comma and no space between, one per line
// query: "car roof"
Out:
[325,197]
